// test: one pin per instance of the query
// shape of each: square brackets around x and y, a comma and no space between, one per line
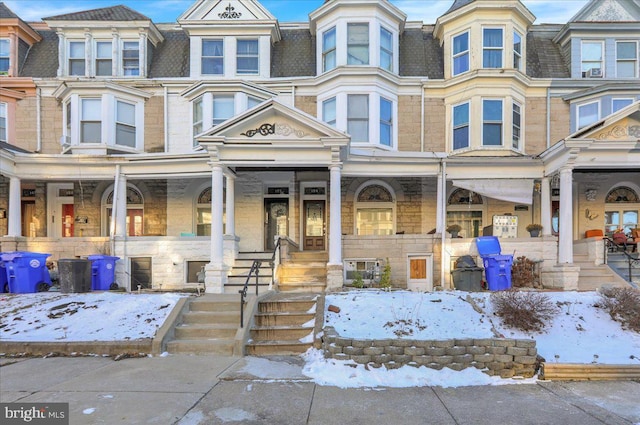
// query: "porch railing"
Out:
[632,262]
[276,259]
[255,270]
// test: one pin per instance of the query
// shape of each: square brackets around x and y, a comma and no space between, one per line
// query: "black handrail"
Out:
[255,268]
[272,262]
[631,260]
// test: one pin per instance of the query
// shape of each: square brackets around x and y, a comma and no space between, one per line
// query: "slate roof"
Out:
[421,54]
[114,13]
[457,4]
[544,58]
[42,58]
[171,57]
[14,148]
[6,13]
[294,55]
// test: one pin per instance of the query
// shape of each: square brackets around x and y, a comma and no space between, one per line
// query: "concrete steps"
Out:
[304,272]
[208,327]
[283,325]
[238,274]
[619,263]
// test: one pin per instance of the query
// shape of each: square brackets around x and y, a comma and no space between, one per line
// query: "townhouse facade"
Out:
[358,137]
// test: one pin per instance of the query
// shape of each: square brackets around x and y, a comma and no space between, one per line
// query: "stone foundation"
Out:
[494,356]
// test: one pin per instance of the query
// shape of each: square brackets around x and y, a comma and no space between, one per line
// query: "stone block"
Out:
[361,343]
[382,342]
[496,350]
[504,342]
[465,342]
[424,343]
[435,351]
[344,341]
[484,358]
[340,356]
[478,365]
[335,349]
[392,349]
[517,351]
[504,358]
[414,351]
[455,351]
[443,359]
[444,343]
[404,342]
[463,358]
[495,366]
[532,351]
[361,359]
[381,358]
[456,366]
[507,373]
[476,349]
[373,351]
[435,366]
[525,343]
[527,360]
[487,342]
[352,351]
[401,358]
[393,365]
[423,360]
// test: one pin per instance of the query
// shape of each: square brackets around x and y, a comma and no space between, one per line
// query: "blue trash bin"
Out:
[4,285]
[497,267]
[103,269]
[26,271]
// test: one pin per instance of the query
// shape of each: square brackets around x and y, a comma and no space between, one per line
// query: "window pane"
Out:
[329,111]
[461,43]
[592,52]
[626,50]
[4,47]
[247,57]
[587,114]
[492,52]
[3,122]
[212,66]
[358,44]
[358,55]
[626,69]
[253,101]
[386,49]
[103,50]
[492,110]
[358,117]
[461,115]
[103,67]
[329,40]
[359,131]
[91,132]
[130,58]
[358,105]
[461,137]
[248,47]
[461,64]
[212,57]
[492,59]
[76,49]
[212,47]
[91,109]
[386,123]
[492,37]
[374,221]
[618,104]
[223,108]
[516,126]
[247,65]
[492,134]
[492,122]
[125,135]
[126,113]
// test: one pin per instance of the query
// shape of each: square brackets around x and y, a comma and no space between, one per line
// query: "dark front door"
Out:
[314,226]
[276,222]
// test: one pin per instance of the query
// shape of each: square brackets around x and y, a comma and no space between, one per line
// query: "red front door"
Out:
[67,220]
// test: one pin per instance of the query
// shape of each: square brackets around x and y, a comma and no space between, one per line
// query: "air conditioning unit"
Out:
[65,141]
[594,73]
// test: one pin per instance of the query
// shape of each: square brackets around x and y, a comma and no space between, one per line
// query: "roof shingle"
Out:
[114,13]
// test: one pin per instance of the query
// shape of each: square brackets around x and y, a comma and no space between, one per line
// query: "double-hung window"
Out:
[591,60]
[460,53]
[386,49]
[91,121]
[4,56]
[125,124]
[104,58]
[76,58]
[130,58]
[197,118]
[358,117]
[358,44]
[212,57]
[627,59]
[386,122]
[492,122]
[461,126]
[329,49]
[517,51]
[492,43]
[3,122]
[247,57]
[223,108]
[588,114]
[329,111]
[516,125]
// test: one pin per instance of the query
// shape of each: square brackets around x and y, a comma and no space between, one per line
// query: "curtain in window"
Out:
[247,57]
[212,57]
[461,54]
[492,53]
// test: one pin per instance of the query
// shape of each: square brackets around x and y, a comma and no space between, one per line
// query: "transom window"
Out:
[358,44]
[203,212]
[517,50]
[492,122]
[465,208]
[130,58]
[461,53]
[492,44]
[3,122]
[103,58]
[247,57]
[386,49]
[461,126]
[91,121]
[375,210]
[329,111]
[516,126]
[76,58]
[386,122]
[4,56]
[212,57]
[591,61]
[329,49]
[135,212]
[622,210]
[358,117]
[125,124]
[588,114]
[626,59]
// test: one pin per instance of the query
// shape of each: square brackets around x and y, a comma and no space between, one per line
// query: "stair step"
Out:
[216,306]
[208,317]
[201,346]
[298,306]
[316,288]
[204,331]
[287,347]
[282,319]
[279,333]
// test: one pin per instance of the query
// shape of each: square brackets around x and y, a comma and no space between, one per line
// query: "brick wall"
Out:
[494,356]
[25,124]
[409,123]
[434,125]
[308,104]
[154,124]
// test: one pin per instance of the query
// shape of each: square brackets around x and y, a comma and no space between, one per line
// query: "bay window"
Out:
[358,117]
[329,49]
[492,122]
[460,53]
[461,126]
[91,121]
[125,124]
[386,49]
[492,44]
[358,44]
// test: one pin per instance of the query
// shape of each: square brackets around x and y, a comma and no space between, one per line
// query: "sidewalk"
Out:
[222,390]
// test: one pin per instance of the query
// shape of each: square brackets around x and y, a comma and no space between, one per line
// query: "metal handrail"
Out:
[631,260]
[272,262]
[255,268]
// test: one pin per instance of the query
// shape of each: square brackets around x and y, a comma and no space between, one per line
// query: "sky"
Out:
[579,333]
[162,11]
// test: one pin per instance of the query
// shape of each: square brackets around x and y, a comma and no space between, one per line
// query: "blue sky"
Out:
[546,11]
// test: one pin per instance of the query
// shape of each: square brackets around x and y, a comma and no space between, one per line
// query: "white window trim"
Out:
[502,48]
[520,147]
[8,41]
[516,53]
[637,59]
[334,50]
[68,57]
[602,67]
[257,40]
[468,103]
[464,52]
[578,107]
[392,205]
[95,57]
[482,122]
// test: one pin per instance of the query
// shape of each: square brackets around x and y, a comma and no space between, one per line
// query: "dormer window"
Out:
[461,53]
[212,57]
[104,58]
[517,51]
[591,59]
[131,58]
[247,57]
[329,49]
[386,49]
[76,58]
[492,46]
[4,56]
[358,44]
[626,59]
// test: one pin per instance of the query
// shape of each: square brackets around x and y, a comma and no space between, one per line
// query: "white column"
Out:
[115,53]
[565,238]
[335,217]
[217,248]
[120,205]
[545,206]
[62,63]
[142,54]
[88,55]
[15,210]
[230,205]
[440,204]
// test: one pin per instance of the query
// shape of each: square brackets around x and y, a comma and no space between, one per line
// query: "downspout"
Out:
[422,118]
[166,119]
[443,191]
[293,95]
[114,209]
[38,118]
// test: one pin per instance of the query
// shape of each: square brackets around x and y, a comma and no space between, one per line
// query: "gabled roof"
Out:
[114,13]
[26,32]
[608,11]
[42,60]
[457,4]
[6,13]
[615,126]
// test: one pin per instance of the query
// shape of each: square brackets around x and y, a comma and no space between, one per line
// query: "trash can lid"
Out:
[488,245]
[465,261]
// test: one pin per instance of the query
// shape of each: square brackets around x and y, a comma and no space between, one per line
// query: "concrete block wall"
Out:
[502,357]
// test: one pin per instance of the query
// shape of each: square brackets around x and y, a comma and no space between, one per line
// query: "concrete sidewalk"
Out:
[222,390]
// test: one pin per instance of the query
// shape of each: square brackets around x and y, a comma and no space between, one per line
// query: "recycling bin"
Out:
[26,271]
[74,275]
[467,276]
[497,267]
[103,269]
[4,284]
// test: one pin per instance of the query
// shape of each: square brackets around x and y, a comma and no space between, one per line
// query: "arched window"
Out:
[135,211]
[375,209]
[466,208]
[203,212]
[622,207]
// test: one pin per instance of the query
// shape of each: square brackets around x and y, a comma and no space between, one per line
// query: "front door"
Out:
[314,225]
[276,222]
[67,220]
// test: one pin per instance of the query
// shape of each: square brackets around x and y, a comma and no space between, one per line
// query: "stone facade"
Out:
[154,124]
[409,123]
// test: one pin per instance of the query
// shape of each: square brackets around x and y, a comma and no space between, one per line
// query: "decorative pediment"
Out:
[225,11]
[622,125]
[608,11]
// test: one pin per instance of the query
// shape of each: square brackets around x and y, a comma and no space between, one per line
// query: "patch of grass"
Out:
[524,310]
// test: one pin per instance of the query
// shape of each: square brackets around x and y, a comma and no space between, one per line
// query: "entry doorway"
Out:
[61,211]
[314,225]
[276,221]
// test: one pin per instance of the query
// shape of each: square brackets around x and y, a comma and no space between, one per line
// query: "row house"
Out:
[345,143]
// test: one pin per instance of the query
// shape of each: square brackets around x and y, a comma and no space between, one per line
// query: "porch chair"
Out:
[619,242]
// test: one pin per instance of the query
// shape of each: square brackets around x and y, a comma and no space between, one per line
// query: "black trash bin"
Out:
[467,276]
[74,275]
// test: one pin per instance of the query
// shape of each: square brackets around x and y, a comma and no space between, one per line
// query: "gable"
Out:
[608,11]
[624,129]
[225,11]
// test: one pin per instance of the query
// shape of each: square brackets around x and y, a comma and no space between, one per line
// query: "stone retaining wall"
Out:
[494,356]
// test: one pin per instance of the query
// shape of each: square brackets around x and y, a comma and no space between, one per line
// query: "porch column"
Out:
[334,267]
[231,202]
[15,208]
[120,205]
[215,273]
[545,206]
[440,190]
[565,239]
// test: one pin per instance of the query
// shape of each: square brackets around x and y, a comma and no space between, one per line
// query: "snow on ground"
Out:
[96,316]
